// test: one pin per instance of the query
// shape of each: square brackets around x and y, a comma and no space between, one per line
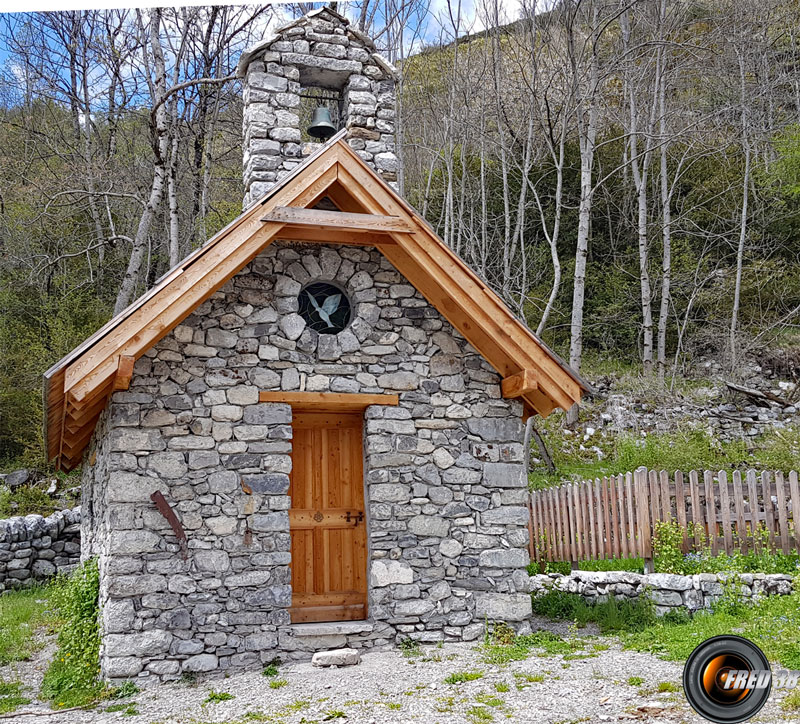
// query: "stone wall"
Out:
[34,548]
[668,591]
[444,481]
[319,50]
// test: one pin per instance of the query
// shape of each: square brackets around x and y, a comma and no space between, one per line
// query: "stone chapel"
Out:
[308,434]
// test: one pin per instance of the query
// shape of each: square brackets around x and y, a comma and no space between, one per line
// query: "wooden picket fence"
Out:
[615,517]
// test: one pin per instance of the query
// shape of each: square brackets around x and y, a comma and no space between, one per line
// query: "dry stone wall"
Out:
[667,591]
[320,50]
[34,548]
[444,482]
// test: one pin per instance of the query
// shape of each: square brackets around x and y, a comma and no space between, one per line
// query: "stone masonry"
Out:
[320,50]
[444,477]
[34,548]
[667,591]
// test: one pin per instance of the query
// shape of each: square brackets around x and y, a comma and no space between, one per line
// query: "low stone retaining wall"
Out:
[668,591]
[34,548]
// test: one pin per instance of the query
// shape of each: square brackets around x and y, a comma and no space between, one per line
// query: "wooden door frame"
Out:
[338,403]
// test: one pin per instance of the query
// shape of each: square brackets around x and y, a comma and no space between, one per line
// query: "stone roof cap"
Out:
[251,52]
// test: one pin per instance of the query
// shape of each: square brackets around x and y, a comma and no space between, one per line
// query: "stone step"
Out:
[332,628]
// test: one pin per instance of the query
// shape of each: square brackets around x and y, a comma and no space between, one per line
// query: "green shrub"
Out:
[214,697]
[73,676]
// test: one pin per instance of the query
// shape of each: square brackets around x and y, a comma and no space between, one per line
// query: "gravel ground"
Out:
[396,688]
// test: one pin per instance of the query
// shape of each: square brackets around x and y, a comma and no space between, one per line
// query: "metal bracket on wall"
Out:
[163,507]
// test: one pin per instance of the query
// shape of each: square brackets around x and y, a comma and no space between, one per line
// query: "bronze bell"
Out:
[321,125]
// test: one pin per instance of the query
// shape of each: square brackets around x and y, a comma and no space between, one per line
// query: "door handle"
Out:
[354,518]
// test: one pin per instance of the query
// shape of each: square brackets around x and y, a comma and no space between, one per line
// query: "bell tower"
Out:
[314,71]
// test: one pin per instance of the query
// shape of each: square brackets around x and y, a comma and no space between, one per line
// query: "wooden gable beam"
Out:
[340,220]
[520,384]
[122,379]
[333,401]
[148,324]
[459,287]
[332,236]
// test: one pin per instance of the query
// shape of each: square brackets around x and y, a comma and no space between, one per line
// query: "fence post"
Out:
[643,511]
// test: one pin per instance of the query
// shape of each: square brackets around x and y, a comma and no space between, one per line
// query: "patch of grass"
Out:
[791,702]
[332,714]
[444,704]
[26,500]
[278,683]
[501,687]
[459,677]
[215,697]
[530,678]
[73,678]
[11,697]
[270,670]
[124,690]
[635,680]
[772,624]
[394,705]
[610,616]
[665,686]
[688,449]
[22,613]
[410,648]
[297,705]
[477,714]
[128,709]
[489,699]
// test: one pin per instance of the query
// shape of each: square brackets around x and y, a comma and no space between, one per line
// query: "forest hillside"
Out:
[625,175]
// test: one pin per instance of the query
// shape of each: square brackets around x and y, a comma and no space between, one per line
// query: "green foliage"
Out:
[278,683]
[215,697]
[760,558]
[73,676]
[11,697]
[635,680]
[25,500]
[667,542]
[22,613]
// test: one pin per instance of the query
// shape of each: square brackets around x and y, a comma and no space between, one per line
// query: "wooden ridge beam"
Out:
[341,220]
[520,384]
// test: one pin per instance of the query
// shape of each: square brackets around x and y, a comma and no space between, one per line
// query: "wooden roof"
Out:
[77,388]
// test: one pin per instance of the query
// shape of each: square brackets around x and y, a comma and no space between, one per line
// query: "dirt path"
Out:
[396,688]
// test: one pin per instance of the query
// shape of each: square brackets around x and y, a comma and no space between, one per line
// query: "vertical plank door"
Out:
[327,518]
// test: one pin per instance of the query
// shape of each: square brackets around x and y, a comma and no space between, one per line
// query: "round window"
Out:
[325,308]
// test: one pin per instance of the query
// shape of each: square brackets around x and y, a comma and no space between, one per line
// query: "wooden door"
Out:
[326,520]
